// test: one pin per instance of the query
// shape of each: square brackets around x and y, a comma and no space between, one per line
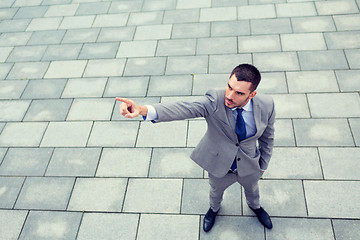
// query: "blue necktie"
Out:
[240,130]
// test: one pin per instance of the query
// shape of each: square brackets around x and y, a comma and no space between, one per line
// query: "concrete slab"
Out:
[284,133]
[170,85]
[10,188]
[48,110]
[12,89]
[84,87]
[91,109]
[14,220]
[126,87]
[43,89]
[22,134]
[346,229]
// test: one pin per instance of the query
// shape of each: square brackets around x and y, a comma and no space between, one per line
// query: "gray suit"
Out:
[219,147]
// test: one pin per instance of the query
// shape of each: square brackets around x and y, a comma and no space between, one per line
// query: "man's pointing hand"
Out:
[129,109]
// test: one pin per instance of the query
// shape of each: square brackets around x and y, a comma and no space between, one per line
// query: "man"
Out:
[238,120]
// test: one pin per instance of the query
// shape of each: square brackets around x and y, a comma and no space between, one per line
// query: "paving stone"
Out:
[322,132]
[4,53]
[91,109]
[140,101]
[145,18]
[294,163]
[352,57]
[46,37]
[49,2]
[324,105]
[116,34]
[342,40]
[74,162]
[98,194]
[263,43]
[277,61]
[62,52]
[13,110]
[126,87]
[347,22]
[42,193]
[125,134]
[170,226]
[284,133]
[256,11]
[31,12]
[196,131]
[16,25]
[313,24]
[145,66]
[66,69]
[336,7]
[291,106]
[179,47]
[322,60]
[28,70]
[302,82]
[355,128]
[204,82]
[26,161]
[98,50]
[93,8]
[14,221]
[273,82]
[281,198]
[184,4]
[51,224]
[111,20]
[302,42]
[182,98]
[235,228]
[348,80]
[26,54]
[108,226]
[162,196]
[12,89]
[216,3]
[168,134]
[2,150]
[61,10]
[137,49]
[48,110]
[81,35]
[41,24]
[230,28]
[104,67]
[153,5]
[170,85]
[181,16]
[8,13]
[153,32]
[187,65]
[125,6]
[196,198]
[38,89]
[270,26]
[74,22]
[225,45]
[191,30]
[295,9]
[120,162]
[174,163]
[22,134]
[84,87]
[346,229]
[337,206]
[10,188]
[218,14]
[306,229]
[7,3]
[14,39]
[340,170]
[226,63]
[66,134]
[4,69]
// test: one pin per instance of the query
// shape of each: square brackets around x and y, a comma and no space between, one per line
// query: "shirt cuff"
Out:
[151,114]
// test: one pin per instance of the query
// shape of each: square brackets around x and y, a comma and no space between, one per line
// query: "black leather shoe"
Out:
[263,217]
[209,220]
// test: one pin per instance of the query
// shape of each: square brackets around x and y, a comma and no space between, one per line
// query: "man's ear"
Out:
[252,94]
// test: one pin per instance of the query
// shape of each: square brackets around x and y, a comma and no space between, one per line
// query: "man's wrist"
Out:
[143,111]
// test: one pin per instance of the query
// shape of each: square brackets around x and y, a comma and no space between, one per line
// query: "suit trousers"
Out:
[249,183]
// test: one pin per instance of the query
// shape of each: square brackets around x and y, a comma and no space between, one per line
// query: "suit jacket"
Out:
[219,146]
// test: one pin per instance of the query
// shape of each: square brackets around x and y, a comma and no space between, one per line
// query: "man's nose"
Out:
[231,95]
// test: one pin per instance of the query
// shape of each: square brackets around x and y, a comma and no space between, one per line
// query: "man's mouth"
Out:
[228,101]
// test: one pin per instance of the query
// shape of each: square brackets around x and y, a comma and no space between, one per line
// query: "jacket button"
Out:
[237,144]
[238,159]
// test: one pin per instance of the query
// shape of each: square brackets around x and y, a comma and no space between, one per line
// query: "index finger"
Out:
[125,100]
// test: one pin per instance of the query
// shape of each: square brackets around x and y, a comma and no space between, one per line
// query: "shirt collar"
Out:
[248,107]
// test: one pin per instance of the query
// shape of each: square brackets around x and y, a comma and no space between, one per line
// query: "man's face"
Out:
[237,93]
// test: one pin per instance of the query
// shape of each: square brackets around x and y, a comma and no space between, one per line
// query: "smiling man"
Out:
[238,143]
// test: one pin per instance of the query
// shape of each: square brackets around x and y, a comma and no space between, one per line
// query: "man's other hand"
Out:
[129,109]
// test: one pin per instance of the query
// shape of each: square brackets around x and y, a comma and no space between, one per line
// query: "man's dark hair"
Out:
[247,73]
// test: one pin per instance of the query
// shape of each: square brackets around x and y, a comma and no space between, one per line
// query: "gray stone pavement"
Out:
[72,168]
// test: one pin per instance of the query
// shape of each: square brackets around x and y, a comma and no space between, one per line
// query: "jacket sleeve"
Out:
[202,107]
[266,141]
